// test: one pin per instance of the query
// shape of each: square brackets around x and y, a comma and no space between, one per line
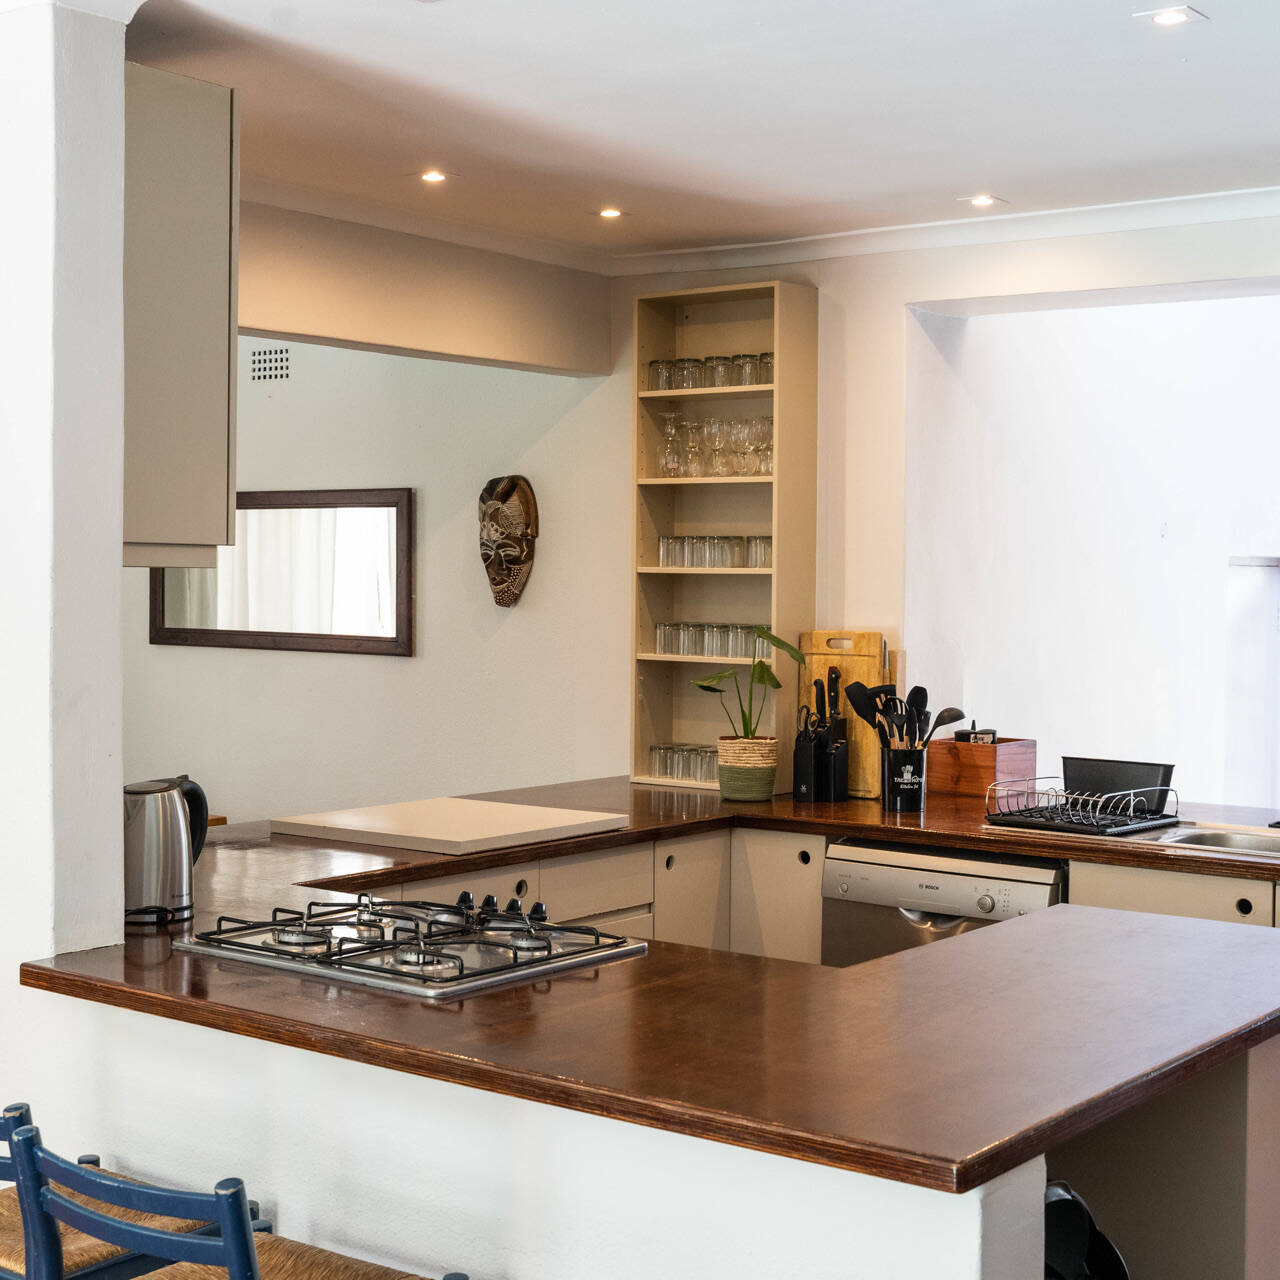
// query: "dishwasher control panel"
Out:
[937,884]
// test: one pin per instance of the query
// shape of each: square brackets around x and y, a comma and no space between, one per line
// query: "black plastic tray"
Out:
[1085,775]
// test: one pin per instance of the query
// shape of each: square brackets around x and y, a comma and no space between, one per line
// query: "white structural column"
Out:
[61,438]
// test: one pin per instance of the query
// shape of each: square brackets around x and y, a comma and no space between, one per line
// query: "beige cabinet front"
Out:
[592,884]
[776,907]
[181,219]
[1172,893]
[691,891]
[520,880]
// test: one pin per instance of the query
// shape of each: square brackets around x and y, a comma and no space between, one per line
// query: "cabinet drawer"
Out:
[519,880]
[587,884]
[691,890]
[776,898]
[1172,893]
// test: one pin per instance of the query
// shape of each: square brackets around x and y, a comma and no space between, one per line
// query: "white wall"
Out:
[494,697]
[1077,482]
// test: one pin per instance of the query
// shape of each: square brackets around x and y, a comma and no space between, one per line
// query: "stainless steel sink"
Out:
[1241,841]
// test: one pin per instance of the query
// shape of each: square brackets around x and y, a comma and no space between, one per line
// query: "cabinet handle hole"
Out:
[671,861]
[1244,906]
[804,857]
[522,888]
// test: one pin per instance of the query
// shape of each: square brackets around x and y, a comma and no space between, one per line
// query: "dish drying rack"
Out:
[1043,806]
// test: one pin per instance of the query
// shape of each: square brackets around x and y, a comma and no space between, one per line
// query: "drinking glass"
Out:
[718,371]
[669,459]
[718,640]
[744,460]
[688,374]
[748,369]
[693,449]
[661,375]
[716,435]
[766,366]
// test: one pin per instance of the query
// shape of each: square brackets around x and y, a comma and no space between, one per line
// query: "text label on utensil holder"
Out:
[902,780]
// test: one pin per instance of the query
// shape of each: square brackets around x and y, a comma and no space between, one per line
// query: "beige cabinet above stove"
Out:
[181,218]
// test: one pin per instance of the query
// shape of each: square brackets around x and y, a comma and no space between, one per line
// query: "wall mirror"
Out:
[329,570]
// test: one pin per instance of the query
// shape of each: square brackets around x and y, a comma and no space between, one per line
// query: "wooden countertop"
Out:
[942,1066]
[657,813]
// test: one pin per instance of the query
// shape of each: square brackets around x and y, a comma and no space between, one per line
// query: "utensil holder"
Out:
[902,780]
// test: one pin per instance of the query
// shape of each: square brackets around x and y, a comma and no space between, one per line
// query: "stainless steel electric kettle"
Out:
[165,823]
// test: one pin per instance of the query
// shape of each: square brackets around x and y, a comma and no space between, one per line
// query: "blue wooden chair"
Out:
[53,1191]
[86,1258]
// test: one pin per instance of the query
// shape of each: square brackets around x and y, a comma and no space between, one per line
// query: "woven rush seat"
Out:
[282,1259]
[78,1249]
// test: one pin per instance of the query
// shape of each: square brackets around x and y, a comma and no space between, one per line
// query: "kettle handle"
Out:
[197,812]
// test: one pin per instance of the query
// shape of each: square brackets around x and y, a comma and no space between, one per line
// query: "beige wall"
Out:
[862,389]
[311,277]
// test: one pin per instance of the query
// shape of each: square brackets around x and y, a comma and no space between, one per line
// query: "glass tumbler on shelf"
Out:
[748,370]
[718,371]
[688,374]
[662,375]
[766,367]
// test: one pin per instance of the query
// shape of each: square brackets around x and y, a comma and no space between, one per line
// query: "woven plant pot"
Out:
[748,767]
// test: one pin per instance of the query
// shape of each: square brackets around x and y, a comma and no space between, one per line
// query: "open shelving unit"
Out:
[777,316]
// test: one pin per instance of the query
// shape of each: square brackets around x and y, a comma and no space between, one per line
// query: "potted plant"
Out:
[748,763]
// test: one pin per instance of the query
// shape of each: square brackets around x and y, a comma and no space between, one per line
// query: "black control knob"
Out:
[466,900]
[538,913]
[515,907]
[490,902]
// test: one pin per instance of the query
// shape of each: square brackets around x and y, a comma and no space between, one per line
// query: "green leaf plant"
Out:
[761,676]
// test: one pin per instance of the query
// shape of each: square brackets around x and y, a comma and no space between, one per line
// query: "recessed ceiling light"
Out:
[1175,15]
[611,213]
[983,200]
[434,175]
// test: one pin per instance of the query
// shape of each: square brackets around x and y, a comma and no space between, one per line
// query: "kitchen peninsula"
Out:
[922,1095]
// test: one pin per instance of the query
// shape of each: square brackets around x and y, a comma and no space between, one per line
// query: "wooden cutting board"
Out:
[859,655]
[448,824]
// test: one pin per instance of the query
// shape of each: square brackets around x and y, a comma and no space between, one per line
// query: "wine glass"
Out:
[717,436]
[693,448]
[669,460]
[744,459]
[760,437]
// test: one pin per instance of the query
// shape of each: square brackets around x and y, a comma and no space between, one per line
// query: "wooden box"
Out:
[968,768]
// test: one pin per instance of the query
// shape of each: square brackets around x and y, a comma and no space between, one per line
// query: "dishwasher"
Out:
[878,901]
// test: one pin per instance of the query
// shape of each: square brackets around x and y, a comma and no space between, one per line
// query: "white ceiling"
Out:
[714,122]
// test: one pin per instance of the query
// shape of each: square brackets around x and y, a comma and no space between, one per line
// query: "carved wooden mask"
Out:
[508,529]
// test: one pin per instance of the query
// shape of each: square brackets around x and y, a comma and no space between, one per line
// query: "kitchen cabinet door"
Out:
[1172,893]
[691,890]
[590,884]
[181,217]
[521,880]
[628,924]
[776,896]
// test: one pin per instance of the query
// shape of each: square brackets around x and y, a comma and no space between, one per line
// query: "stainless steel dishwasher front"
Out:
[878,901]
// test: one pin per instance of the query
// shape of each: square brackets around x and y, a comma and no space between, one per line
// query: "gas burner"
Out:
[426,961]
[514,936]
[366,928]
[308,939]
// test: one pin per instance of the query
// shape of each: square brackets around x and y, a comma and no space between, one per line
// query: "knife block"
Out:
[969,768]
[857,655]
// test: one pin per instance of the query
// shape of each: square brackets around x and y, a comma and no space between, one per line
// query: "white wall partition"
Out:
[494,697]
[1077,484]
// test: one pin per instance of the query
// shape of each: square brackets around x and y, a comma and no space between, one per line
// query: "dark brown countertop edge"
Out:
[1013,841]
[934,1172]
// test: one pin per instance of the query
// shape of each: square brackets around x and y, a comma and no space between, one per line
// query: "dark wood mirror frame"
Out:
[400,645]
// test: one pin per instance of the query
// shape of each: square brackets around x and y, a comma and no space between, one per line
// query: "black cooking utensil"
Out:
[917,701]
[863,704]
[948,715]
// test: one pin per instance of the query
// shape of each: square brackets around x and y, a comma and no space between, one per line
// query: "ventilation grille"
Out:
[268,364]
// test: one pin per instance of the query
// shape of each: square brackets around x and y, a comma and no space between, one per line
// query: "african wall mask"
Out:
[508,529]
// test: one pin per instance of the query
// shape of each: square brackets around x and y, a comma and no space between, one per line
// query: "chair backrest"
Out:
[44,1206]
[11,1118]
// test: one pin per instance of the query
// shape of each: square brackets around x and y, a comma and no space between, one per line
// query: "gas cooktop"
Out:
[434,949]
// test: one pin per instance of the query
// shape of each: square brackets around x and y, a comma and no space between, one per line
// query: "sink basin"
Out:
[1241,841]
